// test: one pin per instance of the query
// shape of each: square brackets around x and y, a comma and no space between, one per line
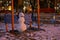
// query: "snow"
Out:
[52,33]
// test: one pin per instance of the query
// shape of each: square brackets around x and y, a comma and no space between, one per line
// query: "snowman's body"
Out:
[21,20]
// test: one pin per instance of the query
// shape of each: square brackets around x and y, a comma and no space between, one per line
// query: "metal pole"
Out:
[56,4]
[55,11]
[12,15]
[48,3]
[6,27]
[38,13]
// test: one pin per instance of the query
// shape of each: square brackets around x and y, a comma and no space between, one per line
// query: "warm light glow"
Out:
[29,8]
[56,8]
[2,7]
[0,1]
[24,8]
[9,7]
[54,17]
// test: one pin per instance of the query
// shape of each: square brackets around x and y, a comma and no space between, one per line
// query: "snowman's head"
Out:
[21,15]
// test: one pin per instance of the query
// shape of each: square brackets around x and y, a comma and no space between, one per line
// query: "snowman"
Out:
[22,26]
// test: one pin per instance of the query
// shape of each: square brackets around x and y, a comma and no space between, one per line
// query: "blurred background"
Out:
[49,9]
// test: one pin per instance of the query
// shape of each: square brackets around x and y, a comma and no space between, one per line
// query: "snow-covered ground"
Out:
[52,33]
